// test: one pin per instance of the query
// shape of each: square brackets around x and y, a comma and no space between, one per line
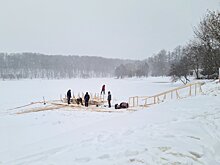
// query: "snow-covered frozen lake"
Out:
[176,132]
[15,93]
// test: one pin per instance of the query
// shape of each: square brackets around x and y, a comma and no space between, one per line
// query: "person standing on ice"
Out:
[86,99]
[103,89]
[68,96]
[109,99]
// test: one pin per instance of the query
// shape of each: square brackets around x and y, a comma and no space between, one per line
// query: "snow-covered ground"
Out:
[15,93]
[176,132]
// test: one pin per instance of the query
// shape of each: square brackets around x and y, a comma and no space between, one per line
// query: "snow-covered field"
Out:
[176,132]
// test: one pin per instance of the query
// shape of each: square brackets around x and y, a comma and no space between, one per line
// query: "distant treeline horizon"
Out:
[36,65]
[201,56]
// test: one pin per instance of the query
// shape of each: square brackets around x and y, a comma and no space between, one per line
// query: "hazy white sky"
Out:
[133,29]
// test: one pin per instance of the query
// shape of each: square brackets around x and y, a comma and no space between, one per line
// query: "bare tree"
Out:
[180,70]
[208,32]
[194,52]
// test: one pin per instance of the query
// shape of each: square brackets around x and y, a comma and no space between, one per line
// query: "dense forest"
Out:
[200,56]
[31,65]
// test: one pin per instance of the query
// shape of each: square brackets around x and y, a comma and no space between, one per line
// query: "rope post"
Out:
[65,98]
[133,102]
[190,90]
[177,95]
[91,96]
[200,87]
[137,100]
[44,100]
[154,100]
[195,89]
[145,102]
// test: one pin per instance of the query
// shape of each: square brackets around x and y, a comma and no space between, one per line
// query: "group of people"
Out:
[87,97]
[79,100]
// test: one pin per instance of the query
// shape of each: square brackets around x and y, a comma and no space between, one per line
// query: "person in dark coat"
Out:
[86,99]
[103,89]
[79,101]
[109,99]
[68,96]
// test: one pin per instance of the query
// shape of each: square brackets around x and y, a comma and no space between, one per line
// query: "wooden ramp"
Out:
[91,108]
[38,109]
[69,107]
[187,90]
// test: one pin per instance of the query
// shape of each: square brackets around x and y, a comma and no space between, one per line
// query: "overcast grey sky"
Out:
[132,29]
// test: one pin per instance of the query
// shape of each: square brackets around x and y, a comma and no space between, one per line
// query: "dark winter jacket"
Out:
[69,94]
[86,97]
[103,88]
[109,96]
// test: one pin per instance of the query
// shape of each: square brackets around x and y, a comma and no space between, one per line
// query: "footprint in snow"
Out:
[164,149]
[169,136]
[131,153]
[175,119]
[128,132]
[83,159]
[137,161]
[105,156]
[197,155]
[193,137]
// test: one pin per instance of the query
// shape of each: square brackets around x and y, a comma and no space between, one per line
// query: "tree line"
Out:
[32,65]
[201,55]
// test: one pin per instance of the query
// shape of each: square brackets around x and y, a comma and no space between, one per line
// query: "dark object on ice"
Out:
[68,96]
[44,101]
[109,99]
[79,101]
[86,99]
[117,106]
[121,105]
[124,105]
